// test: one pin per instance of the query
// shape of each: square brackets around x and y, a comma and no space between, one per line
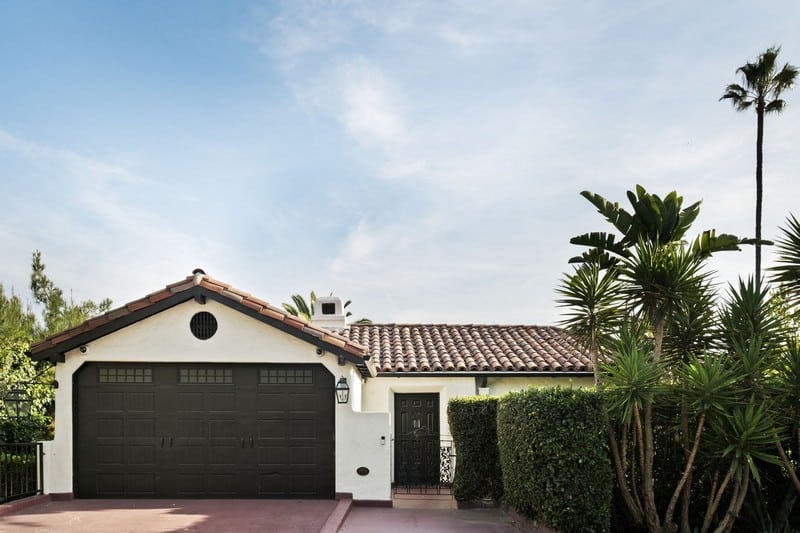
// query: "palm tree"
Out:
[300,307]
[761,87]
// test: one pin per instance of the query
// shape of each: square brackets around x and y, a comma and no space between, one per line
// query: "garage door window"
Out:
[205,376]
[286,376]
[124,375]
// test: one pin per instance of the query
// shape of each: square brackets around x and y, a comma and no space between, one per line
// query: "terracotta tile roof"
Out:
[200,280]
[421,348]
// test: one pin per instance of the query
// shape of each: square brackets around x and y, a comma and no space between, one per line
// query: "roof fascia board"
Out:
[311,339]
[488,373]
[56,353]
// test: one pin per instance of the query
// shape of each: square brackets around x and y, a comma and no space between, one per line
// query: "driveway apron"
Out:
[84,516]
[386,520]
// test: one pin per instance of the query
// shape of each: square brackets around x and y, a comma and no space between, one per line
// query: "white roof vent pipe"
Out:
[329,313]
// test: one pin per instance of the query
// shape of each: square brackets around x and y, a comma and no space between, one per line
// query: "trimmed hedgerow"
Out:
[554,458]
[473,424]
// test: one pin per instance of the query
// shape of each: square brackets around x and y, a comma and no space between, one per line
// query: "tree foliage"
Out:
[20,327]
[59,312]
[680,364]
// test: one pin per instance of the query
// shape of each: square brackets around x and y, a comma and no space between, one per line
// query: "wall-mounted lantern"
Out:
[342,390]
[17,403]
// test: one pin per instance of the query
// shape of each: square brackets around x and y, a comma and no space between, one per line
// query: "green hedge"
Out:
[554,458]
[473,425]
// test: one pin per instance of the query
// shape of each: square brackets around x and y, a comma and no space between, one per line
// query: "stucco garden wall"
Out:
[502,385]
[166,338]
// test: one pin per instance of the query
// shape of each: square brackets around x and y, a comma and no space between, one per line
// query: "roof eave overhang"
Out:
[489,373]
[56,352]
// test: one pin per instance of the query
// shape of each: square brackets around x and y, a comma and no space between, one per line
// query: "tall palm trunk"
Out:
[759,184]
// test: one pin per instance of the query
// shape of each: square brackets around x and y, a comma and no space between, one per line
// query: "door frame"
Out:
[430,442]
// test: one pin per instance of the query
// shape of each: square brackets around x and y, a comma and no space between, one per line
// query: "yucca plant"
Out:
[744,438]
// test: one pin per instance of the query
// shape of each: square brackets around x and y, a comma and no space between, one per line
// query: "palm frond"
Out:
[787,268]
[612,212]
[601,241]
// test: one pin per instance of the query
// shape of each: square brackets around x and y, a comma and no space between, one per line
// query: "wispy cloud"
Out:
[88,215]
[371,111]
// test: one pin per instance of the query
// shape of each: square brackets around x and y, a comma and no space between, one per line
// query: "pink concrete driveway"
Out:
[85,516]
[386,520]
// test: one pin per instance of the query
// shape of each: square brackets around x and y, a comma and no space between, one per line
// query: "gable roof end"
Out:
[200,286]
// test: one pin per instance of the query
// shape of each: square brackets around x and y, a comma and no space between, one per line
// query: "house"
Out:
[202,390]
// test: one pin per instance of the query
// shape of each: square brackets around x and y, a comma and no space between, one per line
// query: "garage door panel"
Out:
[110,427]
[221,402]
[272,456]
[223,427]
[140,401]
[271,429]
[110,402]
[190,455]
[191,484]
[142,455]
[190,401]
[110,484]
[166,430]
[302,456]
[223,455]
[140,484]
[140,427]
[110,455]
[302,429]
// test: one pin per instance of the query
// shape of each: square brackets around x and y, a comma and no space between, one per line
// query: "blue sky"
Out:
[423,159]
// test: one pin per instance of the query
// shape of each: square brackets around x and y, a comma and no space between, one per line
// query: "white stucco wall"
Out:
[166,338]
[502,385]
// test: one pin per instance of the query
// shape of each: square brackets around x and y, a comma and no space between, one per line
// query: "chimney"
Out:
[328,313]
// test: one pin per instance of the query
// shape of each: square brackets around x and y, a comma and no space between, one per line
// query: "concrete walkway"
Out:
[386,520]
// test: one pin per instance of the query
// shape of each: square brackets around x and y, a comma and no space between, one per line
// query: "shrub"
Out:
[27,429]
[473,424]
[554,458]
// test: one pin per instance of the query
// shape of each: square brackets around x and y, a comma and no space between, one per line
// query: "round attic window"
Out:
[203,325]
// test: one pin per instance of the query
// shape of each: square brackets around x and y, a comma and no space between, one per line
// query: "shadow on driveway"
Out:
[88,516]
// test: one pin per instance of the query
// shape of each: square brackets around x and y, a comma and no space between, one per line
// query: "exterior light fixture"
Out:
[17,403]
[342,390]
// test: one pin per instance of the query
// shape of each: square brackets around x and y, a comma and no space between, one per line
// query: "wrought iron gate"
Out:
[425,464]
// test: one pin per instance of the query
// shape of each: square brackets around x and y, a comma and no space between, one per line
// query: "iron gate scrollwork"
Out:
[426,464]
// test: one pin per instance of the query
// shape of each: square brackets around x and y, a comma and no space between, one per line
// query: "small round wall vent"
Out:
[203,325]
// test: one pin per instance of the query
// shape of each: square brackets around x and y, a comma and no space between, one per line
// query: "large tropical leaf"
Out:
[709,242]
[612,212]
[603,242]
[787,268]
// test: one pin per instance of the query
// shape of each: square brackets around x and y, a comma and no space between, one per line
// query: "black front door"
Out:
[416,434]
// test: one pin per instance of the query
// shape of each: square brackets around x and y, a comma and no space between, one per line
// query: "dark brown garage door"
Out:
[204,431]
